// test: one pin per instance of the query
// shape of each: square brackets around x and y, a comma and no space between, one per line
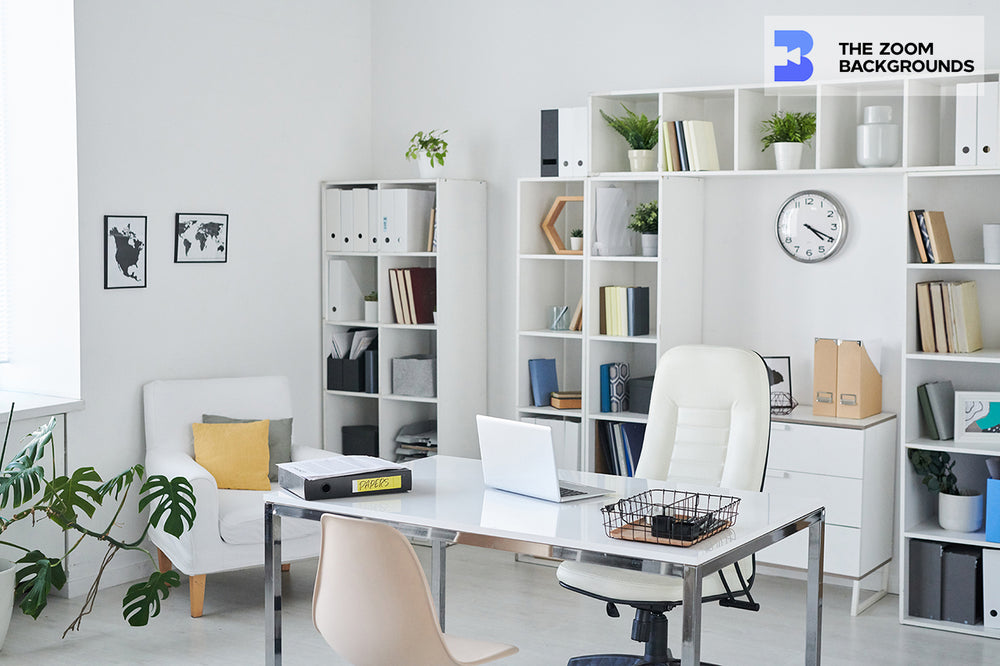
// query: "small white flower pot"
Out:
[575,243]
[960,513]
[426,170]
[642,160]
[787,155]
[371,311]
[649,244]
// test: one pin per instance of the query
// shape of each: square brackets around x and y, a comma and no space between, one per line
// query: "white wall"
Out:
[485,69]
[210,106]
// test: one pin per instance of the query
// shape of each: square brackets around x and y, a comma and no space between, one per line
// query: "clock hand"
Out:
[819,234]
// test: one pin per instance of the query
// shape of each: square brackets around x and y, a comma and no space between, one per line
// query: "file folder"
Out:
[374,221]
[360,237]
[343,293]
[966,99]
[825,377]
[987,123]
[331,220]
[325,478]
[387,211]
[549,143]
[573,142]
[347,221]
[991,588]
[925,578]
[859,385]
[962,584]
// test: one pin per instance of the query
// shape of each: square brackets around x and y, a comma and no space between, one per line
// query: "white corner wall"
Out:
[238,107]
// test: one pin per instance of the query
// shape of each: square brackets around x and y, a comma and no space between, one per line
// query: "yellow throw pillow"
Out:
[235,454]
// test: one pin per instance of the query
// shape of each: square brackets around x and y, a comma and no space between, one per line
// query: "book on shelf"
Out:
[620,445]
[624,311]
[937,407]
[937,233]
[566,399]
[421,293]
[402,314]
[544,382]
[614,387]
[432,230]
[576,323]
[920,238]
[689,145]
[926,414]
[948,316]
[682,153]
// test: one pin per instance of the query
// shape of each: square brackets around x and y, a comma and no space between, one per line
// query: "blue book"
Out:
[633,434]
[618,375]
[542,372]
[606,387]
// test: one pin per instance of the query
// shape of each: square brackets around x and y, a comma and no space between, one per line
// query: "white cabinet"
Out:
[848,465]
[456,337]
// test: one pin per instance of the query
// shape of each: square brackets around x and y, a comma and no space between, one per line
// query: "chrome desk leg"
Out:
[814,592]
[691,631]
[272,586]
[437,577]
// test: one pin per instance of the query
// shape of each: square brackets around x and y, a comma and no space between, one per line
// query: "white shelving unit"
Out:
[923,177]
[457,339]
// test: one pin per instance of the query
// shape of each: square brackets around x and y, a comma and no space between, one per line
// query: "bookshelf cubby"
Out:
[457,339]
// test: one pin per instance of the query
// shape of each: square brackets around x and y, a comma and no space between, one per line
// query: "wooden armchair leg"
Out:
[286,567]
[164,561]
[197,584]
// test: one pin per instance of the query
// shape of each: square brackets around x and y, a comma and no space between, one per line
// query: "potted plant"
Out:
[429,150]
[371,306]
[959,511]
[645,221]
[787,131]
[576,240]
[641,134]
[70,501]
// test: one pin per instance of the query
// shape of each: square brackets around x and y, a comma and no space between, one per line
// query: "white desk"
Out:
[450,504]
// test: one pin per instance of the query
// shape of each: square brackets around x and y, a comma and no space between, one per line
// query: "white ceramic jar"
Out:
[878,138]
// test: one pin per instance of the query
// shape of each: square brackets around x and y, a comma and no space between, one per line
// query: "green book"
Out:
[925,410]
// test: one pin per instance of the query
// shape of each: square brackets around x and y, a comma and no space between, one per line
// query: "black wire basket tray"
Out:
[670,517]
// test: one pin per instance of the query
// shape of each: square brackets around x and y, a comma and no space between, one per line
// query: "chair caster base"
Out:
[620,660]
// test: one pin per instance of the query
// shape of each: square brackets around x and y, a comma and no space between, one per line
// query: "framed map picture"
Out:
[201,238]
[124,251]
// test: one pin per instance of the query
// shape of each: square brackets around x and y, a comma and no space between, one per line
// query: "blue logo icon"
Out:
[797,43]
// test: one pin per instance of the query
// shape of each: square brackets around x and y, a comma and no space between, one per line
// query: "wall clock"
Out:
[811,226]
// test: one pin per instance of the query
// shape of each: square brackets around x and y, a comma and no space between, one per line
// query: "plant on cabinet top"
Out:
[788,127]
[639,131]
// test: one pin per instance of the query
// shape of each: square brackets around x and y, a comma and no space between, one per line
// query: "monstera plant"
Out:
[28,494]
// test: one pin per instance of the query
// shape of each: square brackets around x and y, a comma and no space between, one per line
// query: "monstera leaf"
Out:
[67,494]
[121,482]
[172,500]
[34,581]
[142,601]
[22,477]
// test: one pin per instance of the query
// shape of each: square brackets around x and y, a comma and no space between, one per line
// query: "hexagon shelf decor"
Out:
[549,223]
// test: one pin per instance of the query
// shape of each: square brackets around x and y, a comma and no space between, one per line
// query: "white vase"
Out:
[576,244]
[649,243]
[371,311]
[960,513]
[642,160]
[427,170]
[787,155]
[7,575]
[878,138]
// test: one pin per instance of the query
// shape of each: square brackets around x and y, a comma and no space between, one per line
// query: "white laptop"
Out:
[520,458]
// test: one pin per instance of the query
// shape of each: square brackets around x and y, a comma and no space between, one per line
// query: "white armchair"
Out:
[228,531]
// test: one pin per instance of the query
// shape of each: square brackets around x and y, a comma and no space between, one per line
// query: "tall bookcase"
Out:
[456,338]
[692,208]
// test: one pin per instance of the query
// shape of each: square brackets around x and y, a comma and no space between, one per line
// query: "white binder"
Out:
[343,293]
[387,208]
[991,588]
[412,216]
[360,237]
[988,124]
[573,142]
[966,95]
[347,221]
[374,221]
[331,220]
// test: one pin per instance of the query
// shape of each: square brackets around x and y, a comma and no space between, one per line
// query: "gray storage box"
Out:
[639,390]
[415,375]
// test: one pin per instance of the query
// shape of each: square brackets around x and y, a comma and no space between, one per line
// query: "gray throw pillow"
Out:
[279,439]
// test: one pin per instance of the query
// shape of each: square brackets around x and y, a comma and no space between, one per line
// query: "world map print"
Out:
[124,252]
[201,238]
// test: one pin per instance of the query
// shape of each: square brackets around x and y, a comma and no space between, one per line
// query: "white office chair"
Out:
[372,604]
[228,531]
[709,424]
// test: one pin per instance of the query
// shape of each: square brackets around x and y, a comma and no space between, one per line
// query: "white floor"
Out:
[489,596]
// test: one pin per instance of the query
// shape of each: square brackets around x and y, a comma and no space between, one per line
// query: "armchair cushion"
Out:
[235,454]
[240,519]
[279,440]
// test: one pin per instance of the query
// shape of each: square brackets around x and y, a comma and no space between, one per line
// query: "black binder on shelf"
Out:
[359,440]
[371,370]
[962,584]
[925,578]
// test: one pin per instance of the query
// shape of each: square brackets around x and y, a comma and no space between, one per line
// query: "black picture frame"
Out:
[125,251]
[779,371]
[201,238]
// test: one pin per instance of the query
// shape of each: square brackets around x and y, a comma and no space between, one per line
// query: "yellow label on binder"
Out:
[378,483]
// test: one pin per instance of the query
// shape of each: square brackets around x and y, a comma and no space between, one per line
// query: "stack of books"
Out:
[948,316]
[566,399]
[930,233]
[624,311]
[689,145]
[414,294]
[937,406]
[620,444]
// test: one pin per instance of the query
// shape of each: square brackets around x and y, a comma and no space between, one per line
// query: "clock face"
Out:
[811,226]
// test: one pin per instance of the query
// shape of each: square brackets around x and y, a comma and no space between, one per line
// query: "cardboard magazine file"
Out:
[859,385]
[825,377]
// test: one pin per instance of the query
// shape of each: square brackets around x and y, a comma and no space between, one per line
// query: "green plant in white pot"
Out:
[788,132]
[32,495]
[645,221]
[958,510]
[428,149]
[641,135]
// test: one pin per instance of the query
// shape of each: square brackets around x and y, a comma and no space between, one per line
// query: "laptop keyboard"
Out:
[569,492]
